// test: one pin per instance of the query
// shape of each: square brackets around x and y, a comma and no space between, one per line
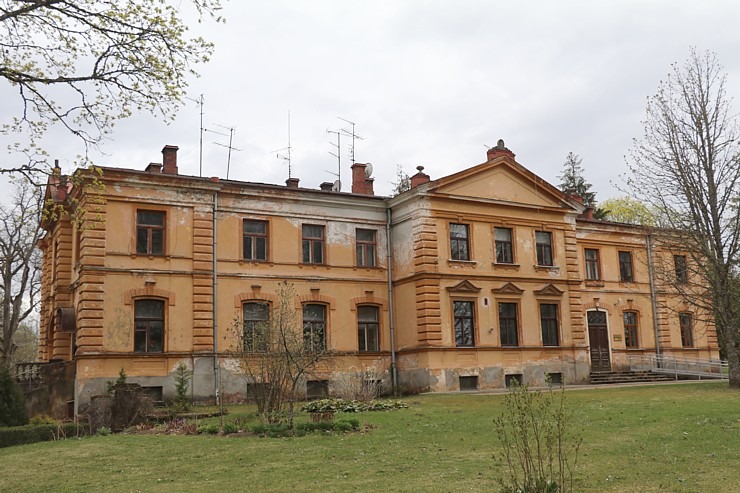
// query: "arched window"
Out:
[368,328]
[255,316]
[630,330]
[148,326]
[314,327]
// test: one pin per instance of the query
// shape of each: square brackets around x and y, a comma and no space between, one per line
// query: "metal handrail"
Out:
[676,365]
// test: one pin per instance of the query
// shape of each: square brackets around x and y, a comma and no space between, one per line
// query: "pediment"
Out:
[508,288]
[549,290]
[504,180]
[464,286]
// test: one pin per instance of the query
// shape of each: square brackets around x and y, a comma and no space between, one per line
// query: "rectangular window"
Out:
[314,327]
[679,264]
[313,244]
[625,267]
[148,326]
[150,232]
[255,240]
[366,246]
[504,250]
[543,241]
[630,329]
[255,327]
[507,319]
[549,324]
[464,315]
[459,246]
[468,382]
[368,328]
[687,329]
[592,264]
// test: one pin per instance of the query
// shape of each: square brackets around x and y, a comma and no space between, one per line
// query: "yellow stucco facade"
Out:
[489,273]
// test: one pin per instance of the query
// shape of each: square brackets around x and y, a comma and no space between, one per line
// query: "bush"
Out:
[539,450]
[350,406]
[43,419]
[12,402]
[208,430]
[20,435]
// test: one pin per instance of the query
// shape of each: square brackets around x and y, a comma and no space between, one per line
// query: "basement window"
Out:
[513,379]
[317,389]
[555,378]
[469,382]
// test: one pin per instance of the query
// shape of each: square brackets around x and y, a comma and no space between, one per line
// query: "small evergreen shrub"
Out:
[182,385]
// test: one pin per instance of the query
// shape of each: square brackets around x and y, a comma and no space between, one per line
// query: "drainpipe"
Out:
[216,375]
[389,261]
[652,294]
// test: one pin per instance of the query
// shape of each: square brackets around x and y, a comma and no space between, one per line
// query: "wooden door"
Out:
[598,337]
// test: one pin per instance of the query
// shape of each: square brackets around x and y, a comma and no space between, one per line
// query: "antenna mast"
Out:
[200,103]
[230,147]
[338,155]
[287,156]
[351,134]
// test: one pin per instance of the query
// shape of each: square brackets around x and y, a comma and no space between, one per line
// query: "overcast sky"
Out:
[428,83]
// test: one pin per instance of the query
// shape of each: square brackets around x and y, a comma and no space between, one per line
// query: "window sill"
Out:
[547,267]
[502,265]
[466,263]
[595,283]
[260,262]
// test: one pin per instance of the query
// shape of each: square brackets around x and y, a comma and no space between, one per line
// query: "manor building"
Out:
[465,282]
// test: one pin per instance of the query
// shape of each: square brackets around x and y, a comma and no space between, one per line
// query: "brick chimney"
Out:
[361,183]
[588,213]
[169,160]
[499,150]
[153,168]
[292,182]
[576,197]
[419,178]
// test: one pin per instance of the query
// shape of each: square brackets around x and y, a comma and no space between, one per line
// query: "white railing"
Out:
[678,366]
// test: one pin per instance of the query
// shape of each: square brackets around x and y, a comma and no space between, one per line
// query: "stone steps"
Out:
[628,377]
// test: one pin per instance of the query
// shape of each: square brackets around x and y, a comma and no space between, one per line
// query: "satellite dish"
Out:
[368,170]
[337,186]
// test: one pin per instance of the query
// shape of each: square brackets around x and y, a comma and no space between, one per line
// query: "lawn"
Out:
[677,438]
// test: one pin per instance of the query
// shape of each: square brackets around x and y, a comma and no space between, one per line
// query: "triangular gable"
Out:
[508,288]
[549,290]
[463,287]
[504,179]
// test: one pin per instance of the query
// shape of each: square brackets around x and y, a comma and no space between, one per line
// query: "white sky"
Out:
[428,83]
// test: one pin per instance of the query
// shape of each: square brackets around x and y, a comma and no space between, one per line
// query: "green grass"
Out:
[676,438]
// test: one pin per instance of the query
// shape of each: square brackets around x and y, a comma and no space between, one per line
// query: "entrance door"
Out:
[598,337]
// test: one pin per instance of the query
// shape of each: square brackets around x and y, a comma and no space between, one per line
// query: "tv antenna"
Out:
[230,147]
[351,134]
[200,103]
[286,156]
[338,155]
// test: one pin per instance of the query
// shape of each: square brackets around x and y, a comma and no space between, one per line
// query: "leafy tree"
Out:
[26,343]
[20,262]
[85,64]
[277,356]
[629,211]
[572,182]
[12,403]
[688,164]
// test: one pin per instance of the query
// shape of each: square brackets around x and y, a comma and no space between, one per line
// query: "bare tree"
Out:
[277,352]
[85,64]
[20,262]
[687,167]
